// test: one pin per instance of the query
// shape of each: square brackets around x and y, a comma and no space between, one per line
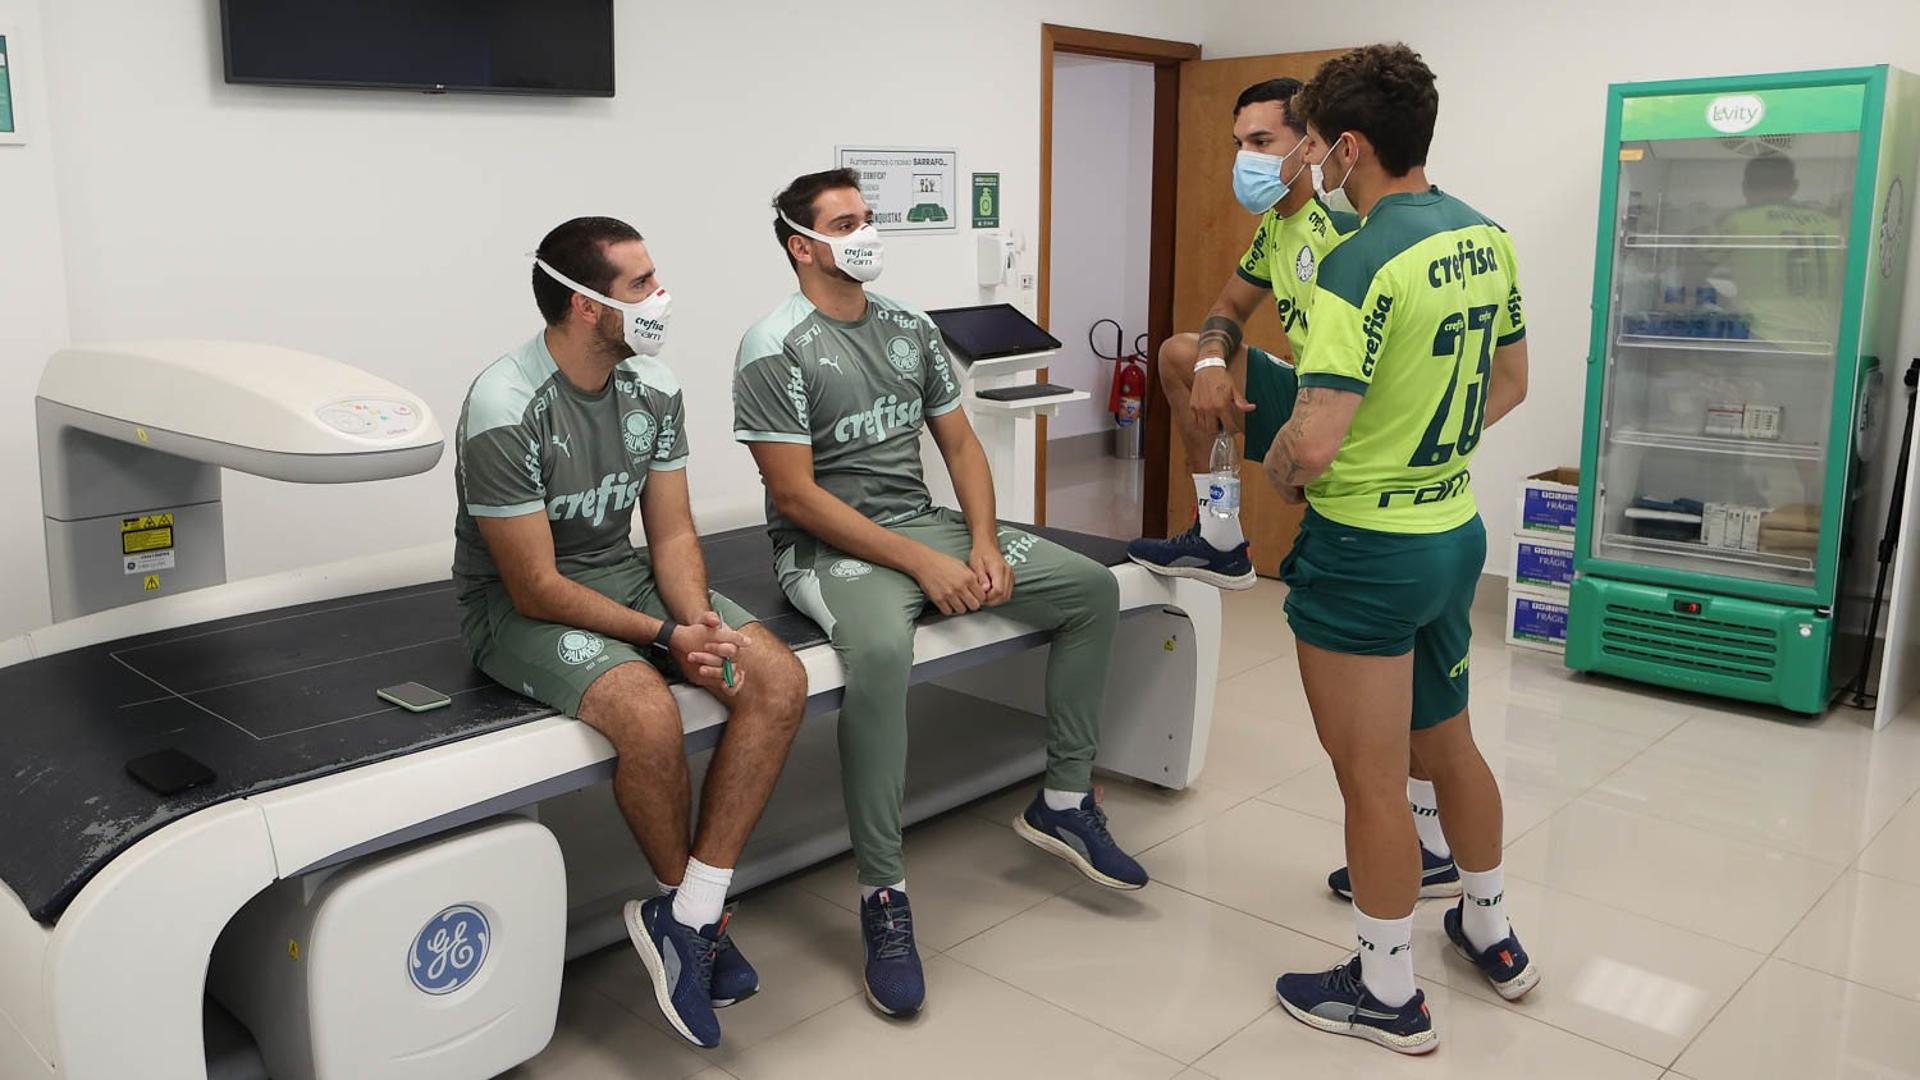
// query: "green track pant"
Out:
[869,611]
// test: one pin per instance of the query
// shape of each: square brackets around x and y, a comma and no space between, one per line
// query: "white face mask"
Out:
[643,326]
[859,254]
[1336,199]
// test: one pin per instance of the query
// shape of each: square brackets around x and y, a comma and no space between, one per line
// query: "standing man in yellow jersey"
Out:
[1418,344]
[1203,372]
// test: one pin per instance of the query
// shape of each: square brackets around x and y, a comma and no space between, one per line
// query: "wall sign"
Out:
[910,189]
[9,112]
[986,200]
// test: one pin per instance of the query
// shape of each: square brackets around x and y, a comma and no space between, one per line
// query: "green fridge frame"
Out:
[1762,641]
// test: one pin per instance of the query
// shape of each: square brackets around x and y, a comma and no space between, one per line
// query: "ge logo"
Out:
[850,568]
[449,951]
[1303,264]
[636,431]
[904,354]
[577,647]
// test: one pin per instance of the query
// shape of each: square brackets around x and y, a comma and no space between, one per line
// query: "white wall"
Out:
[388,229]
[1522,112]
[1102,213]
[33,314]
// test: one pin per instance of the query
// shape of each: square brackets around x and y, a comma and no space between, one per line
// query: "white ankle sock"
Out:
[1483,912]
[1223,533]
[1386,956]
[1426,816]
[1062,800]
[702,895]
[867,891]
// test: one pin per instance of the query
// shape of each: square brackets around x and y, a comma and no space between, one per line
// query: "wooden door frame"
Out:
[1166,58]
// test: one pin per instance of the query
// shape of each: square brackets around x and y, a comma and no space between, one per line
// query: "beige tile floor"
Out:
[1712,894]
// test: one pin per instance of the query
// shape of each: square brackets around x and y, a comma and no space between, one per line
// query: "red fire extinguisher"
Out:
[1127,395]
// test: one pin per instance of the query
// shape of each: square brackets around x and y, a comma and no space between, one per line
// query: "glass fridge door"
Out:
[1730,258]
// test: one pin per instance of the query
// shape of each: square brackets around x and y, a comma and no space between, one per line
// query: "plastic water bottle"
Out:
[1223,491]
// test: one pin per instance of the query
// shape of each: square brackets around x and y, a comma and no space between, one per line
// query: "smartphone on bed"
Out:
[168,772]
[414,697]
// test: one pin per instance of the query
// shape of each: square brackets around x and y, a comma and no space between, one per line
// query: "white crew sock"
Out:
[1483,910]
[1062,800]
[1386,956]
[867,891]
[702,895]
[1426,816]
[1223,533]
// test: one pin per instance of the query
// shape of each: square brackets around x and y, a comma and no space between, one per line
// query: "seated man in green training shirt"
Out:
[560,442]
[1418,343]
[1203,373]
[831,392]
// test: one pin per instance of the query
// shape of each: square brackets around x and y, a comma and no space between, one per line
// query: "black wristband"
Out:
[663,641]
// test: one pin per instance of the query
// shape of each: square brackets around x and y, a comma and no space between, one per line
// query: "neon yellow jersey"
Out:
[1285,257]
[1408,312]
[1791,289]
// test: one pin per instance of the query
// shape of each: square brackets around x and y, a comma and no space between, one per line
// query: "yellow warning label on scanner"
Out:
[152,583]
[146,521]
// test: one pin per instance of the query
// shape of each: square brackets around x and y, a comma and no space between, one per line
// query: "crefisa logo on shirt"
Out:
[904,354]
[849,568]
[450,950]
[1735,113]
[636,431]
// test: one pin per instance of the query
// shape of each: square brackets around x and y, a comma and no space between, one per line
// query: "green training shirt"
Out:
[531,442]
[1285,257]
[1408,312]
[858,393]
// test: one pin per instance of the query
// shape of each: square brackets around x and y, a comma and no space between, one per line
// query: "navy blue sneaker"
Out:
[1187,555]
[680,960]
[1337,1001]
[1080,837]
[895,984]
[1438,877]
[1506,965]
[734,980]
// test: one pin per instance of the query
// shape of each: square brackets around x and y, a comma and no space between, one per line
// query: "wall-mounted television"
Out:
[491,46]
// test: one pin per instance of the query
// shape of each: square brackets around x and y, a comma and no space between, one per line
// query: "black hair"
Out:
[1769,170]
[578,249]
[796,202]
[1384,92]
[1281,90]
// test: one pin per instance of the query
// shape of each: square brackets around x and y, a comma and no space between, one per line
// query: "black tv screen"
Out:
[500,46]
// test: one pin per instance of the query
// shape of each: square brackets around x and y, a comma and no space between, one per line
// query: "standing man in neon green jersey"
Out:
[1418,344]
[1203,373]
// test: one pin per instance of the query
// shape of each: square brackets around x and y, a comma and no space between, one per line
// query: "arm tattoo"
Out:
[1220,331]
[1283,463]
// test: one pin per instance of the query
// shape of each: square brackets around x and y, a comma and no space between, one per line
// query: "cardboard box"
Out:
[1549,501]
[1713,524]
[1543,561]
[1750,527]
[1537,619]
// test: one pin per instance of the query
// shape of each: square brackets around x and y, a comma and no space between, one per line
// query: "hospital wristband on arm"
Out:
[1208,362]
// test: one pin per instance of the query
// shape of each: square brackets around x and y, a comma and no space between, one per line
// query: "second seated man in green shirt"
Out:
[831,393]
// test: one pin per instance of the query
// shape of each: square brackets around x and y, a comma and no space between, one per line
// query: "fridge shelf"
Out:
[1701,242]
[1693,549]
[1722,444]
[1749,346]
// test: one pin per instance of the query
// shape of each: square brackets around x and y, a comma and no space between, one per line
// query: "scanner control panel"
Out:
[372,418]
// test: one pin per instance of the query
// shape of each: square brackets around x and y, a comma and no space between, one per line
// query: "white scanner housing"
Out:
[133,437]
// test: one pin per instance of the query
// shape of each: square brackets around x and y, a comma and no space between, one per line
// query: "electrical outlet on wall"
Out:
[1028,282]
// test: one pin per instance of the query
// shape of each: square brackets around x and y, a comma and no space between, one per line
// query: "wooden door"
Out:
[1211,232]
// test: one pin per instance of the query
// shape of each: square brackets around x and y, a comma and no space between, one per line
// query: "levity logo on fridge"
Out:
[1735,113]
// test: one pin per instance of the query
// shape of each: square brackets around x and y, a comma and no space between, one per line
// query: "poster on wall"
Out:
[9,124]
[911,189]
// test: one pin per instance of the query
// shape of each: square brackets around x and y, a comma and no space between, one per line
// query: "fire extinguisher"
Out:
[1127,394]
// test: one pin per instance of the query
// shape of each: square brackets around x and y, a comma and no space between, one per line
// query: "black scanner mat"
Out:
[271,699]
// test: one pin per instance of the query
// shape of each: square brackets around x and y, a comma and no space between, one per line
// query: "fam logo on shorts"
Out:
[849,568]
[450,950]
[904,354]
[578,647]
[636,431]
[1303,264]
